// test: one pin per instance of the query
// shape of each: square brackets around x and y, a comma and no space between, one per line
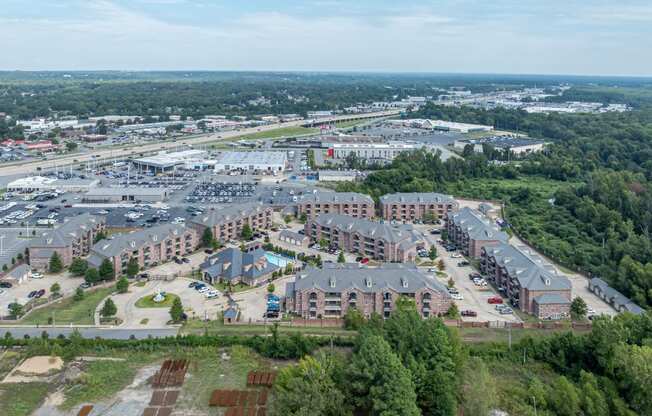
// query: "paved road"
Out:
[30,167]
[108,333]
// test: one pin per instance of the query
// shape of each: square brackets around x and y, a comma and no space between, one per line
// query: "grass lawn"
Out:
[70,311]
[197,326]
[21,399]
[223,287]
[103,379]
[276,133]
[148,301]
[478,335]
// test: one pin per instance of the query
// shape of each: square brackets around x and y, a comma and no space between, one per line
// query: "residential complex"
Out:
[379,241]
[74,238]
[416,206]
[151,246]
[330,292]
[469,230]
[527,280]
[347,203]
[226,223]
[233,266]
[617,300]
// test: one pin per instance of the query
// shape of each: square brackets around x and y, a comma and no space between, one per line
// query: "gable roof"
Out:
[370,229]
[336,277]
[232,262]
[326,197]
[118,243]
[417,198]
[66,233]
[477,226]
[215,217]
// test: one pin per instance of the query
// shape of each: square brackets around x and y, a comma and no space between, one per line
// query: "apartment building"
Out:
[151,247]
[73,238]
[331,291]
[469,230]
[379,241]
[235,266]
[529,282]
[411,207]
[226,223]
[346,203]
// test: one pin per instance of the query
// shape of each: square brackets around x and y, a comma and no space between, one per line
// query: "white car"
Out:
[456,255]
[457,296]
[36,276]
[212,294]
[204,289]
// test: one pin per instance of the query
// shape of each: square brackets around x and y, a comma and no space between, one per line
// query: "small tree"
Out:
[289,268]
[132,267]
[91,276]
[106,270]
[323,243]
[303,218]
[441,266]
[78,266]
[451,282]
[353,319]
[4,268]
[453,312]
[15,310]
[108,309]
[287,219]
[176,310]
[55,289]
[246,234]
[56,264]
[99,237]
[79,294]
[123,285]
[578,308]
[207,237]
[340,257]
[271,288]
[432,254]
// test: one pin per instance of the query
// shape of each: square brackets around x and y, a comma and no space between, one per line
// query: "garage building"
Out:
[117,195]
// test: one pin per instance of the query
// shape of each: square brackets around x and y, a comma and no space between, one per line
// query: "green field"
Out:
[148,301]
[70,311]
[21,399]
[196,326]
[277,133]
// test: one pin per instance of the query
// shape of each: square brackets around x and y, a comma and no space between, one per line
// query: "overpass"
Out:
[123,152]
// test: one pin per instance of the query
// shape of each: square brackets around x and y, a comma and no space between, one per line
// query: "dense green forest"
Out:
[593,211]
[409,366]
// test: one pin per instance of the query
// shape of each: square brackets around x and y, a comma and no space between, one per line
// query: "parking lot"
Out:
[19,292]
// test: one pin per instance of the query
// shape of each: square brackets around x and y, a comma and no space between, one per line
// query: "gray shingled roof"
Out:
[70,230]
[417,198]
[371,229]
[335,277]
[326,197]
[232,262]
[233,212]
[551,299]
[615,296]
[118,243]
[477,226]
[531,271]
[293,235]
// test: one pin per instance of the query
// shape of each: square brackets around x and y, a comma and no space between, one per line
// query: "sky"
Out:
[579,37]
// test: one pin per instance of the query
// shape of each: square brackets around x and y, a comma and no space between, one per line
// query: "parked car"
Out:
[193,284]
[32,294]
[469,313]
[364,261]
[506,311]
[457,296]
[495,300]
[475,275]
[211,294]
[204,289]
[178,260]
[37,276]
[85,285]
[5,285]
[185,260]
[463,263]
[208,251]
[456,255]
[39,293]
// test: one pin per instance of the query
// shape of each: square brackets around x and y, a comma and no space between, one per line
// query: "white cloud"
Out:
[422,39]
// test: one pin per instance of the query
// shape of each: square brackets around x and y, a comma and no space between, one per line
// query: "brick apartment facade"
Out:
[330,292]
[226,224]
[529,282]
[368,238]
[74,238]
[411,207]
[151,247]
[470,231]
[346,203]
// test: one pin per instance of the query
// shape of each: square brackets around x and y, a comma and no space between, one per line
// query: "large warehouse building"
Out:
[164,162]
[251,161]
[129,195]
[42,183]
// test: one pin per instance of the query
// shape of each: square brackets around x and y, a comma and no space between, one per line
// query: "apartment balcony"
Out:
[333,298]
[332,308]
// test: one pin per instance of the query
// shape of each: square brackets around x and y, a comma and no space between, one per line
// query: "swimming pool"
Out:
[277,259]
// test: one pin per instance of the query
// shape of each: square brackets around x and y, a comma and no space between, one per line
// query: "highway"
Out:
[121,152]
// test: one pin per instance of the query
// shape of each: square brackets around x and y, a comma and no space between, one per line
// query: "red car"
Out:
[495,300]
[364,261]
[469,313]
